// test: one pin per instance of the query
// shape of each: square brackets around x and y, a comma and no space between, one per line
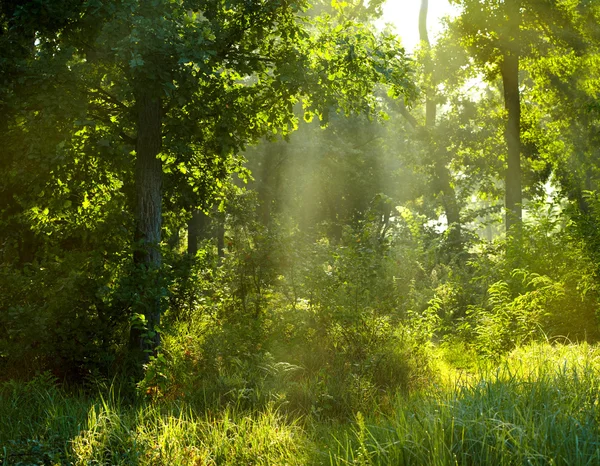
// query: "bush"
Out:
[61,315]
[313,326]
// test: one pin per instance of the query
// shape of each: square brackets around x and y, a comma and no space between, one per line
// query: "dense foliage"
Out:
[264,227]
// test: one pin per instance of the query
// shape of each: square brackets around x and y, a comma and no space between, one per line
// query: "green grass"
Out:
[540,406]
[147,436]
[44,426]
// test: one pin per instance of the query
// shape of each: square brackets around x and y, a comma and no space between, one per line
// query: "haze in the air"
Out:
[404,16]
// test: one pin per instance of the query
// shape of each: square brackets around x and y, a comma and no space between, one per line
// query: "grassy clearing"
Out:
[540,405]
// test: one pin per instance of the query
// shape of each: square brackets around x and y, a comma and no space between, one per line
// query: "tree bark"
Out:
[270,181]
[266,187]
[450,205]
[148,216]
[512,134]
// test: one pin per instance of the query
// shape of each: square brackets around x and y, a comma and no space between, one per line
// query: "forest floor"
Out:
[540,404]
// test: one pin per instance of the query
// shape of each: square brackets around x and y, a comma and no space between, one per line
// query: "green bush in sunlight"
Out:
[498,299]
[512,321]
[314,326]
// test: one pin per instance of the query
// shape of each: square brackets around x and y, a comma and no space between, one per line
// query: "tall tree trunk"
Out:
[450,204]
[270,181]
[219,217]
[265,188]
[148,220]
[196,230]
[430,104]
[441,171]
[512,102]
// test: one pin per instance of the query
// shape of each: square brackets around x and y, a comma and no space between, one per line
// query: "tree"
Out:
[165,95]
[492,32]
[501,35]
[439,158]
[565,88]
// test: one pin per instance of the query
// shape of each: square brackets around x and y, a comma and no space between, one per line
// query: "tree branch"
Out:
[124,136]
[112,99]
[374,138]
[407,115]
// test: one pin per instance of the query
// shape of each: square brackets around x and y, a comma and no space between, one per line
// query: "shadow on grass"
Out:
[43,425]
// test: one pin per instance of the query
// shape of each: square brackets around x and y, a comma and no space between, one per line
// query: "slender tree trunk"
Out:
[441,171]
[148,217]
[265,188]
[27,246]
[220,233]
[270,181]
[512,102]
[196,230]
[510,79]
[430,104]
[450,204]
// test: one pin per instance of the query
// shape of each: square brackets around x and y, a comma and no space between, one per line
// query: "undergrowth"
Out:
[539,405]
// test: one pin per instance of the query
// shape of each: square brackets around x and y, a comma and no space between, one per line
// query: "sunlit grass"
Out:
[41,424]
[150,436]
[540,405]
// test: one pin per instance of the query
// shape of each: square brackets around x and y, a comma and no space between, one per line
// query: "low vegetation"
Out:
[538,405]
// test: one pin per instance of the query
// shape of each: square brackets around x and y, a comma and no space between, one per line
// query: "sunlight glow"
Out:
[404,16]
